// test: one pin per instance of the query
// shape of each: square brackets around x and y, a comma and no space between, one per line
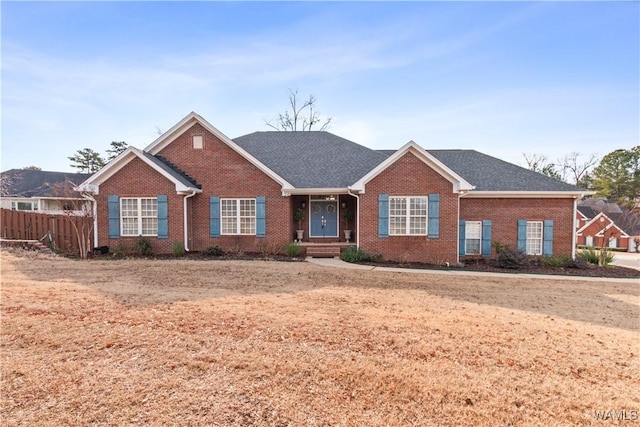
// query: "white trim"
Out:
[408,216]
[238,216]
[574,235]
[586,218]
[603,229]
[612,224]
[185,220]
[139,216]
[192,118]
[92,184]
[459,183]
[525,194]
[315,191]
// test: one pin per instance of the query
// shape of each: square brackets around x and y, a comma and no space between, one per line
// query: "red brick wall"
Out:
[409,176]
[137,179]
[505,213]
[603,241]
[223,172]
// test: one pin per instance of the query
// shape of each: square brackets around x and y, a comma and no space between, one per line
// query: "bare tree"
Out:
[541,164]
[78,208]
[302,116]
[575,170]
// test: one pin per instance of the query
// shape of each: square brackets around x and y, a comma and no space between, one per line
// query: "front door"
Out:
[324,218]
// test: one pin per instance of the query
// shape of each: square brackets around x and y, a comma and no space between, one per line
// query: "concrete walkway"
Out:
[338,263]
[627,259]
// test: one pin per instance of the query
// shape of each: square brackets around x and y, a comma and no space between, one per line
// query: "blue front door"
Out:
[324,218]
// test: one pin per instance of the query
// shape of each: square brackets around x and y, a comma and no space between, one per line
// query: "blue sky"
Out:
[504,78]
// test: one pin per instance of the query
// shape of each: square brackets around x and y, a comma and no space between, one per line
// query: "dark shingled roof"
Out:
[173,170]
[315,159]
[587,211]
[324,160]
[491,174]
[36,183]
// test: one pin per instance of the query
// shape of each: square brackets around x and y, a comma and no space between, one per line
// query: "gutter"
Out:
[94,208]
[186,225]
[357,216]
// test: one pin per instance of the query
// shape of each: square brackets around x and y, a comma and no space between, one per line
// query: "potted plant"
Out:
[298,216]
[347,217]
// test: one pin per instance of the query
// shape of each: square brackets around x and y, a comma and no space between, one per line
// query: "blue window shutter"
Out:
[214,216]
[486,237]
[383,215]
[433,229]
[522,235]
[547,238]
[163,217]
[261,217]
[462,237]
[114,216]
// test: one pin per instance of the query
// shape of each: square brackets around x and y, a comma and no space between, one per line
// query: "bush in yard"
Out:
[602,257]
[353,254]
[214,251]
[292,249]
[509,257]
[556,261]
[579,262]
[178,249]
[142,247]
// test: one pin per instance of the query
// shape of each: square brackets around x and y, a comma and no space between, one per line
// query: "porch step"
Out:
[323,251]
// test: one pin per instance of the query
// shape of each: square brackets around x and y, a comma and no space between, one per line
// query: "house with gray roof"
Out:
[195,186]
[604,223]
[41,191]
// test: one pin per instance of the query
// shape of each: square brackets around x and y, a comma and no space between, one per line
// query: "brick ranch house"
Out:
[196,186]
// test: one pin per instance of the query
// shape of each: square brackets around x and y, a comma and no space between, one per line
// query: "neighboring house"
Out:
[196,186]
[602,223]
[42,191]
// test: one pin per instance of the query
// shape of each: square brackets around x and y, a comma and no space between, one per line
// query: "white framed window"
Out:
[472,237]
[534,237]
[198,143]
[25,206]
[613,242]
[408,216]
[138,216]
[238,216]
[589,241]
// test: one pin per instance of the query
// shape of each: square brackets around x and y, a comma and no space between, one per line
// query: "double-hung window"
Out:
[238,216]
[534,237]
[139,216]
[408,216]
[472,238]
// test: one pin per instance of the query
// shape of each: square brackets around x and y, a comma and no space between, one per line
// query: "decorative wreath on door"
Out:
[331,209]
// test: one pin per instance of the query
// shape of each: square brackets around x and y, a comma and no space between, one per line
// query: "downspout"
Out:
[357,217]
[186,223]
[575,230]
[94,208]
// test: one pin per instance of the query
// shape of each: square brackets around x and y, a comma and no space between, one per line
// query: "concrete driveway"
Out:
[626,259]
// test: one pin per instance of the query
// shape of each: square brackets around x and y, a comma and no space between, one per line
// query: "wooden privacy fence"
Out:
[25,225]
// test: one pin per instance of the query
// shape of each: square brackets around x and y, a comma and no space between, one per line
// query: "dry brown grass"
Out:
[179,342]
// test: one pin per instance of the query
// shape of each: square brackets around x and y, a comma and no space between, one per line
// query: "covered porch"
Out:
[324,219]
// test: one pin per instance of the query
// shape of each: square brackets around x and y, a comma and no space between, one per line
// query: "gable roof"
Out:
[194,118]
[458,183]
[311,159]
[607,223]
[182,183]
[624,218]
[36,183]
